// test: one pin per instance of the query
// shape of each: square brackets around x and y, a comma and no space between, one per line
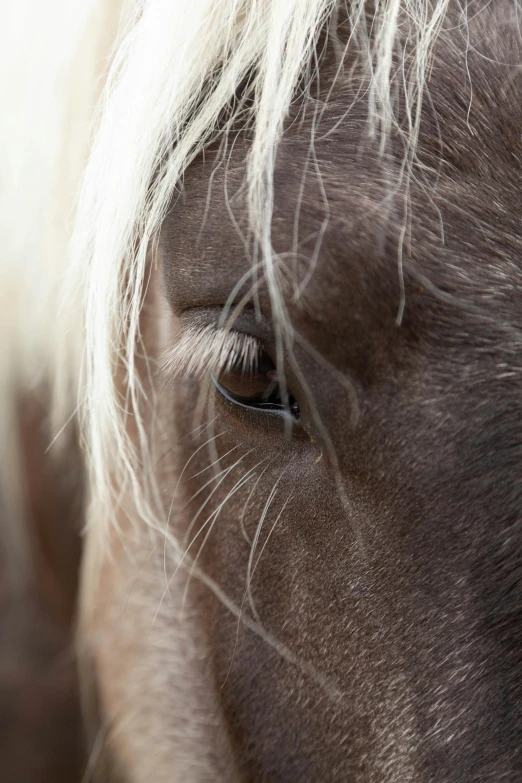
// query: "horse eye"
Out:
[257,387]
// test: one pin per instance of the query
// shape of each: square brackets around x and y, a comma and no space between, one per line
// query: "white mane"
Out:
[179,66]
[53,57]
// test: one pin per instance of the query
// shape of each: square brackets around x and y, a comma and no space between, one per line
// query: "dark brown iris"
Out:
[257,387]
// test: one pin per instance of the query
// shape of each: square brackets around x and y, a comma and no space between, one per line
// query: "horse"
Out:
[286,358]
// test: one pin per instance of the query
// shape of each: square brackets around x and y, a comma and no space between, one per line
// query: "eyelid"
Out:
[200,348]
[258,408]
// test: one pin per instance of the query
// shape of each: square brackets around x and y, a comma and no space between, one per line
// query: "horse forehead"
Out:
[337,216]
[462,197]
[472,113]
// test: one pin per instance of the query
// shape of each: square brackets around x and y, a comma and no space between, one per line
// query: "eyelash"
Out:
[200,349]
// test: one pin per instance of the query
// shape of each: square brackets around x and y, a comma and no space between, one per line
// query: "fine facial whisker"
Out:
[211,521]
[197,431]
[221,477]
[215,462]
[174,494]
[247,501]
[216,477]
[251,571]
[236,486]
[255,541]
[250,574]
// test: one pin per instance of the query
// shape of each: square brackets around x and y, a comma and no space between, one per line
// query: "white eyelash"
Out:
[200,349]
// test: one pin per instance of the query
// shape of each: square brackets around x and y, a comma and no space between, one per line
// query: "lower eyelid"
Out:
[257,407]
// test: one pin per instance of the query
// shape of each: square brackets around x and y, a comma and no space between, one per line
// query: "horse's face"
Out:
[376,539]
